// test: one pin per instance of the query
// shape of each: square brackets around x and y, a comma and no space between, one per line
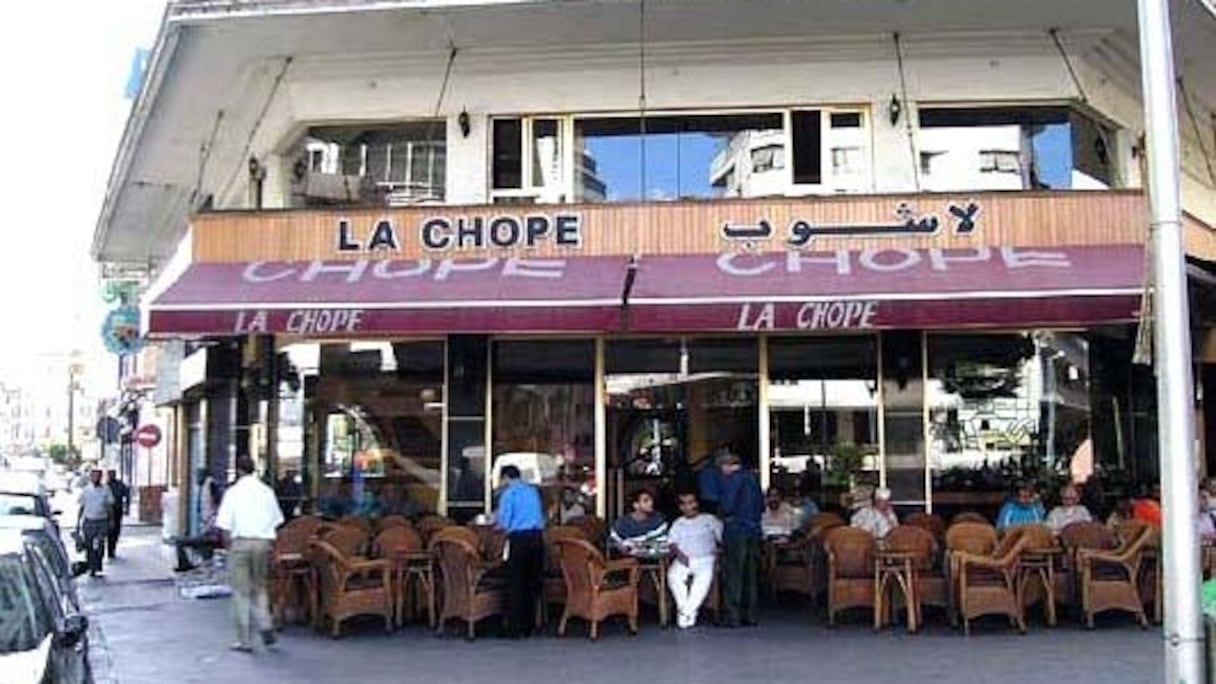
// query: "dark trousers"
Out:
[94,532]
[741,569]
[525,572]
[114,531]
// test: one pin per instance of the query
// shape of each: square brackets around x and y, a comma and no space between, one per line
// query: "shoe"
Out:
[269,637]
[100,574]
[187,568]
[241,648]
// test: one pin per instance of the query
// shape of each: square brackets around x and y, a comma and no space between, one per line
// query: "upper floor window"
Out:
[678,156]
[1013,148]
[386,165]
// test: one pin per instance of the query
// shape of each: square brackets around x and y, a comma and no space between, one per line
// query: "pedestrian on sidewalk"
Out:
[121,506]
[742,507]
[96,506]
[522,517]
[248,517]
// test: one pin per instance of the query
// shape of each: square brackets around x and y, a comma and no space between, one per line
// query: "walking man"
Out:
[248,517]
[122,503]
[694,538]
[521,516]
[742,506]
[96,506]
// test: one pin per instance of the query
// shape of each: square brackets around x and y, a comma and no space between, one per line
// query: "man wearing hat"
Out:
[741,506]
[873,512]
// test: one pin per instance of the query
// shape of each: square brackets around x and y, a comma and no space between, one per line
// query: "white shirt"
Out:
[1063,516]
[249,510]
[698,536]
[876,523]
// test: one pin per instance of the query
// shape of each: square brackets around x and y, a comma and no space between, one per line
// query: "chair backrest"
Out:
[308,524]
[825,520]
[1088,535]
[972,537]
[969,517]
[581,564]
[914,540]
[292,539]
[357,521]
[933,524]
[351,541]
[430,524]
[490,540]
[1040,537]
[463,534]
[391,521]
[595,528]
[397,540]
[851,552]
[457,556]
[1126,530]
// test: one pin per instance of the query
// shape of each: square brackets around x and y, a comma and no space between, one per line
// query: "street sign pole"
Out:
[1183,629]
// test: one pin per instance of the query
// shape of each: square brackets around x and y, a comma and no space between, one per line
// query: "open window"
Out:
[528,160]
[381,165]
[1014,148]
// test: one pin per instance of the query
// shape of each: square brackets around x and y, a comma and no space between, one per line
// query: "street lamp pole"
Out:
[1183,629]
[75,368]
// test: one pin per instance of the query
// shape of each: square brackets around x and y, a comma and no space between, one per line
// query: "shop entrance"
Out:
[671,403]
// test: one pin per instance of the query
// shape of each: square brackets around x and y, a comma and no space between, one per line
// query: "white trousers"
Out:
[690,584]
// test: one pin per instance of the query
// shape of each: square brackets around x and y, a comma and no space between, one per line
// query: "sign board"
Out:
[120,331]
[147,436]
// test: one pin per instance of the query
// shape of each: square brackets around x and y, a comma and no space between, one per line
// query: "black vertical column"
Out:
[467,383]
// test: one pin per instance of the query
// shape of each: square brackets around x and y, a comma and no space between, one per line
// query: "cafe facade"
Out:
[423,245]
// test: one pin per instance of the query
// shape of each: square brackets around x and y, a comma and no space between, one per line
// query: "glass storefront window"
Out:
[380,413]
[544,420]
[1004,407]
[823,414]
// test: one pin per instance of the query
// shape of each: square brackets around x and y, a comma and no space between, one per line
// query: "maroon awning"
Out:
[846,289]
[887,288]
[319,298]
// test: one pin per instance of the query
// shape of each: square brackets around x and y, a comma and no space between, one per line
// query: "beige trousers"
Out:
[249,575]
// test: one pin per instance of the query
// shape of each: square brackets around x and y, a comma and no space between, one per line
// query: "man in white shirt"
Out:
[1069,511]
[875,515]
[248,518]
[693,540]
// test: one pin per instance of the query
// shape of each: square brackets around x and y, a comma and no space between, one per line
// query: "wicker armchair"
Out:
[388,521]
[1037,568]
[933,524]
[824,520]
[554,584]
[932,586]
[595,529]
[468,593]
[353,586]
[1075,537]
[428,525]
[790,566]
[402,546]
[850,553]
[350,540]
[307,524]
[359,522]
[969,517]
[1109,579]
[988,584]
[291,575]
[596,588]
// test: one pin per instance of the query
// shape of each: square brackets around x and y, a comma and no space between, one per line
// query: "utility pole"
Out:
[75,369]
[1183,629]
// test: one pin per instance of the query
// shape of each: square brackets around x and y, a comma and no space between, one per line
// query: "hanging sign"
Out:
[120,331]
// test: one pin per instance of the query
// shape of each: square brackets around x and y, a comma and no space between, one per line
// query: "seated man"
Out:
[642,528]
[779,519]
[1069,511]
[209,538]
[694,538]
[1023,508]
[874,513]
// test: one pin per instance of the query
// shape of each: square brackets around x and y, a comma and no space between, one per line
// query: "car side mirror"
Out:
[72,630]
[79,568]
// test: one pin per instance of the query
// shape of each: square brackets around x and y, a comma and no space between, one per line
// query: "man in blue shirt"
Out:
[741,506]
[522,517]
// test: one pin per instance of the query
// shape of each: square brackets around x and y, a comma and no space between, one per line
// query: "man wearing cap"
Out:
[741,507]
[874,514]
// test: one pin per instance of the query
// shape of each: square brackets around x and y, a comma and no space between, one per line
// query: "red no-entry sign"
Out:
[147,436]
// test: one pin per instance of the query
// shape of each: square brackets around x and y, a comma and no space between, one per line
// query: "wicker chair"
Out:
[988,584]
[353,586]
[554,584]
[1075,537]
[307,524]
[350,540]
[359,522]
[428,525]
[291,576]
[932,586]
[468,592]
[1109,579]
[1037,568]
[850,553]
[595,529]
[389,521]
[933,524]
[413,574]
[790,566]
[596,588]
[969,517]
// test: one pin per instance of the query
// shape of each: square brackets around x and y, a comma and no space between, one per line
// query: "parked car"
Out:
[24,494]
[43,635]
[42,533]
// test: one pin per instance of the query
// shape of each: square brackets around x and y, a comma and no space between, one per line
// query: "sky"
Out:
[63,69]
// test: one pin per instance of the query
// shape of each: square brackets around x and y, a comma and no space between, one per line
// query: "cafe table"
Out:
[894,569]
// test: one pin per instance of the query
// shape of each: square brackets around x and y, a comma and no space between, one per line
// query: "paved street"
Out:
[149,635]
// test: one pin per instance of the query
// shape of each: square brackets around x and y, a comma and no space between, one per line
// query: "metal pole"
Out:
[71,455]
[1172,350]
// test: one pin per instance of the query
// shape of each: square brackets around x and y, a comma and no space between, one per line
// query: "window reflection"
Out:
[385,165]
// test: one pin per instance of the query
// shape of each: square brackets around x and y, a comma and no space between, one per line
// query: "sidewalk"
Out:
[146,634]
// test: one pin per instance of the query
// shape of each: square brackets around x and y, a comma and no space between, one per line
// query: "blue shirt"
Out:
[1015,512]
[742,505]
[709,481]
[519,508]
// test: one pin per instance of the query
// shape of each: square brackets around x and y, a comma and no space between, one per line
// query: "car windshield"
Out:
[20,626]
[18,504]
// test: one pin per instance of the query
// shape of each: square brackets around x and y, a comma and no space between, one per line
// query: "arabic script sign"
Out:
[801,232]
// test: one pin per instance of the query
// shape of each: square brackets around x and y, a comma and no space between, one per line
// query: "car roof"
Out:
[20,483]
[23,523]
